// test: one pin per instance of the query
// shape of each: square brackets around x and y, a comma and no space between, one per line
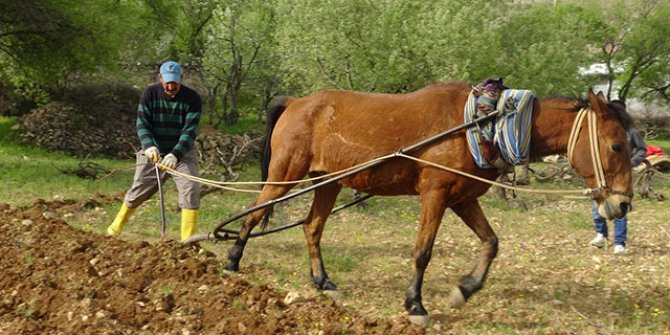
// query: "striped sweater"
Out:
[170,124]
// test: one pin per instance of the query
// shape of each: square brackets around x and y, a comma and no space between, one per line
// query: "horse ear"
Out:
[595,101]
[601,96]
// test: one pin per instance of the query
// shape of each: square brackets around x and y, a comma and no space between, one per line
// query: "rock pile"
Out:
[87,121]
[223,154]
[100,121]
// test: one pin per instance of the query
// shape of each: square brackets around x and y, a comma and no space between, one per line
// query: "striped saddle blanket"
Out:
[511,128]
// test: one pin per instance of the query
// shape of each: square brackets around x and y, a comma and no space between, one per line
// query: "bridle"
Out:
[594,146]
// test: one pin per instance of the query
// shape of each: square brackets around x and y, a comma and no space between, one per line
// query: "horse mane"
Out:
[619,109]
[569,104]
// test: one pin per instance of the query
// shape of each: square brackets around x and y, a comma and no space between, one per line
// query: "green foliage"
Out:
[354,45]
[183,23]
[636,47]
[237,59]
[27,309]
[460,38]
[46,46]
[9,135]
[240,54]
[544,47]
[167,289]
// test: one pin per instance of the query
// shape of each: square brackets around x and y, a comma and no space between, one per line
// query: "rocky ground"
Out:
[60,280]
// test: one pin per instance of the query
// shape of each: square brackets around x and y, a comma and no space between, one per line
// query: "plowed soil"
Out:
[57,279]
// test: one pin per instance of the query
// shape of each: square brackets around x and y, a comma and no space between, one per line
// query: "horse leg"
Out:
[432,210]
[268,193]
[473,216]
[324,200]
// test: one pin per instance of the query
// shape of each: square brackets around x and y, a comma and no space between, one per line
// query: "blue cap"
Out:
[171,72]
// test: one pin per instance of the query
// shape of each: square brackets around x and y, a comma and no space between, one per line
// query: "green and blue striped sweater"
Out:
[170,124]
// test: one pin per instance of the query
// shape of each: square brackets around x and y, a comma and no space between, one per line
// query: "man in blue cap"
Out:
[168,118]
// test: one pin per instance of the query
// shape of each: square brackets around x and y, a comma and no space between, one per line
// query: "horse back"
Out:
[334,130]
[373,122]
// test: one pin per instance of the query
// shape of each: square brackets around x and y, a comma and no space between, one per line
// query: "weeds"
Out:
[167,289]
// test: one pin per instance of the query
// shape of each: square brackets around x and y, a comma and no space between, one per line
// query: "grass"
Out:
[30,173]
[248,122]
[545,280]
[663,143]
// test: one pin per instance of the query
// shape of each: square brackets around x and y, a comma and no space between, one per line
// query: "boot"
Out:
[189,222]
[121,219]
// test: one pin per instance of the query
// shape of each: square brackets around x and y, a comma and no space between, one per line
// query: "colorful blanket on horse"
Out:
[511,131]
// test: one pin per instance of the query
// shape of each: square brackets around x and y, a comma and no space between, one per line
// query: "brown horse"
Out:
[333,130]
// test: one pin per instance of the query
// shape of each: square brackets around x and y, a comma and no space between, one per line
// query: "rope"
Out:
[494,183]
[220,184]
[572,141]
[594,144]
[596,158]
[574,133]
[584,193]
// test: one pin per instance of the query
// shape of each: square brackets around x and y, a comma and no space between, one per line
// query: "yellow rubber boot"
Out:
[189,223]
[121,219]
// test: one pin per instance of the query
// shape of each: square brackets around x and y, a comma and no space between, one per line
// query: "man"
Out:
[637,151]
[168,118]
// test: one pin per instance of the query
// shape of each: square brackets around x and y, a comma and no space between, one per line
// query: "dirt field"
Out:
[61,280]
[58,279]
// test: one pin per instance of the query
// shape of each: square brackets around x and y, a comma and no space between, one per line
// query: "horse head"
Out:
[600,154]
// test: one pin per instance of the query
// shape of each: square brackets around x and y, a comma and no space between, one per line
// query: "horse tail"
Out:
[277,108]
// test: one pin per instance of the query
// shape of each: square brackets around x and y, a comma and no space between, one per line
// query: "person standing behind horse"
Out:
[638,149]
[168,118]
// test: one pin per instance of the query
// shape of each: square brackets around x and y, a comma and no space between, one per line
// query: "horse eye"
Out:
[617,147]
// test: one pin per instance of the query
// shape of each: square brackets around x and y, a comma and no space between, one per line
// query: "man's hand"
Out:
[153,154]
[169,161]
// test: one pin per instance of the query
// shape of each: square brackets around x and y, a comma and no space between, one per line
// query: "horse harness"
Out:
[596,157]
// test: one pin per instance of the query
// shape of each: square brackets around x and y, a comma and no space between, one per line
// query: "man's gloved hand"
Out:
[169,161]
[153,154]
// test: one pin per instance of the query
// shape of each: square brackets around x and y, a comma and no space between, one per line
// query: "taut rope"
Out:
[584,192]
[572,140]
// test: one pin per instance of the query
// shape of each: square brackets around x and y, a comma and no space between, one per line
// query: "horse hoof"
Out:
[420,320]
[328,286]
[232,267]
[456,298]
[333,294]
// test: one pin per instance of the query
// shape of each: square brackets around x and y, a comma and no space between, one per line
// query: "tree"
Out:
[393,46]
[635,47]
[356,45]
[46,45]
[239,41]
[544,46]
[32,31]
[639,43]
[182,24]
